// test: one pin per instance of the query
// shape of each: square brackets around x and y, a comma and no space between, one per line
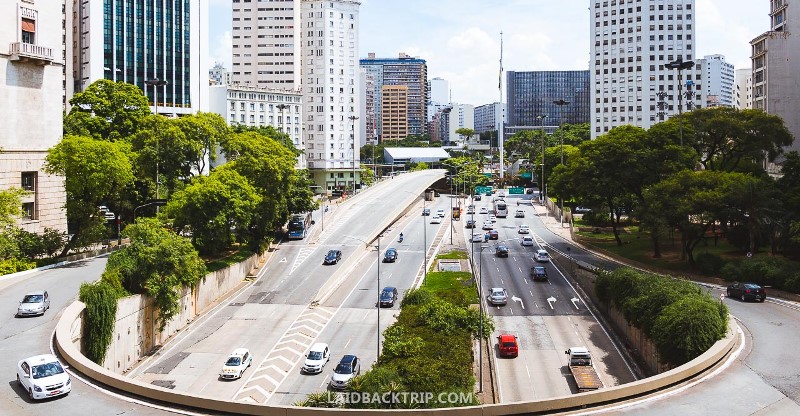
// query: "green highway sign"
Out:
[483,189]
[516,190]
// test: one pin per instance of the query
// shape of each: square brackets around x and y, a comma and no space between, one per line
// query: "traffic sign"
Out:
[516,190]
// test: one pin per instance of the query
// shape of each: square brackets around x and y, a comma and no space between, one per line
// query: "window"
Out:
[28,181]
[28,31]
[28,212]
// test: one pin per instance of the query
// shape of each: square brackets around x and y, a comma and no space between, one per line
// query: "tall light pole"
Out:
[680,65]
[560,103]
[156,83]
[283,122]
[542,117]
[353,124]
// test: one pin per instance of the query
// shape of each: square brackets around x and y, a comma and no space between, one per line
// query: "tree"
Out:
[300,196]
[786,226]
[689,327]
[465,133]
[418,166]
[574,134]
[204,132]
[107,110]
[95,172]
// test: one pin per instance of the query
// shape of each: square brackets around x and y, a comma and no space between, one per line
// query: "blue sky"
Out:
[460,39]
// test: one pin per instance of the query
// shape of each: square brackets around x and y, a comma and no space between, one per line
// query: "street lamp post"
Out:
[155,83]
[353,124]
[544,135]
[680,65]
[559,103]
[283,122]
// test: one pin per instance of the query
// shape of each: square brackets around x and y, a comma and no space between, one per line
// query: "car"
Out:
[527,240]
[507,345]
[476,197]
[541,256]
[501,251]
[492,218]
[487,225]
[524,229]
[318,355]
[239,360]
[34,303]
[494,235]
[519,214]
[349,366]
[529,191]
[477,238]
[483,210]
[426,211]
[501,194]
[488,193]
[471,209]
[538,273]
[43,376]
[440,212]
[333,257]
[582,210]
[498,296]
[469,224]
[747,291]
[388,296]
[390,256]
[436,219]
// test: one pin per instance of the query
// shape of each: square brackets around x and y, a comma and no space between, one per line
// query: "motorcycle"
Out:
[400,239]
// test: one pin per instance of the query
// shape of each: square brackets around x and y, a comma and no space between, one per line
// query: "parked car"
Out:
[349,366]
[333,256]
[538,273]
[34,303]
[426,211]
[507,345]
[436,219]
[488,225]
[498,296]
[501,251]
[524,229]
[527,240]
[477,238]
[317,357]
[469,224]
[494,235]
[747,291]
[388,296]
[541,256]
[43,376]
[477,197]
[390,256]
[236,363]
[519,214]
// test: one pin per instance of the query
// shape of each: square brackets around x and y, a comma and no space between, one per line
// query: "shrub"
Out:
[709,264]
[13,265]
[596,218]
[688,328]
[98,318]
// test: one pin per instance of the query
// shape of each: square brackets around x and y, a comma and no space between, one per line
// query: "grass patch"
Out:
[454,255]
[228,258]
[452,286]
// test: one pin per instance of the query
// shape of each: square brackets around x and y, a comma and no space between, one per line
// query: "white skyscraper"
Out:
[744,88]
[718,81]
[439,90]
[632,44]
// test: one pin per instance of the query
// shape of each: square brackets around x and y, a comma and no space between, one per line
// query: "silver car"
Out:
[35,303]
[498,296]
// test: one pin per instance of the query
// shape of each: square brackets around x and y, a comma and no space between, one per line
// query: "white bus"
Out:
[500,208]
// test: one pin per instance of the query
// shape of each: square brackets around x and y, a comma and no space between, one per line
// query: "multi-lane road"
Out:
[296,301]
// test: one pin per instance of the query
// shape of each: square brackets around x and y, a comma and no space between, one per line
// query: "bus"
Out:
[500,208]
[298,226]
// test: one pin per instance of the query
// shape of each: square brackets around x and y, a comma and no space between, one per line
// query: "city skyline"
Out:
[449,33]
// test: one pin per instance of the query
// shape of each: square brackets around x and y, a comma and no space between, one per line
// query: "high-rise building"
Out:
[31,102]
[744,88]
[532,94]
[266,45]
[394,112]
[632,45]
[487,117]
[218,75]
[717,78]
[462,116]
[439,92]
[140,42]
[368,114]
[774,63]
[404,70]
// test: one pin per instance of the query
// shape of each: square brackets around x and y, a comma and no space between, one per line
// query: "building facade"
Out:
[141,41]
[717,78]
[744,88]
[404,70]
[632,44]
[31,101]
[218,75]
[439,92]
[775,55]
[394,112]
[487,117]
[532,94]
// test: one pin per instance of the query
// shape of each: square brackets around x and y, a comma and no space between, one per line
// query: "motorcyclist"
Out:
[401,236]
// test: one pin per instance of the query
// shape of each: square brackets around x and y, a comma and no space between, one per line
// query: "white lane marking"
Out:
[324,381]
[348,343]
[551,300]
[575,302]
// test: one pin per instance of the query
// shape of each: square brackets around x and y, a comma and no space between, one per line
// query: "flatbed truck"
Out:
[580,365]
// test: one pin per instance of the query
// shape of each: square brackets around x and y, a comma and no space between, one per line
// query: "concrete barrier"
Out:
[69,331]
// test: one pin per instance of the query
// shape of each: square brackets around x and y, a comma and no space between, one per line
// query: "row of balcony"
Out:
[21,51]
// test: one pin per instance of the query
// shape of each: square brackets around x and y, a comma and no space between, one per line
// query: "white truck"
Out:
[580,365]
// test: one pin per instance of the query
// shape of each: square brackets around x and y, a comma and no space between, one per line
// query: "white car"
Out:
[527,240]
[34,303]
[477,238]
[436,219]
[440,212]
[524,229]
[498,296]
[492,218]
[484,210]
[43,376]
[471,209]
[487,225]
[236,363]
[317,357]
[519,214]
[541,256]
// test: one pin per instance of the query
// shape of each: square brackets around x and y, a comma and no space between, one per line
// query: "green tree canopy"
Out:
[107,110]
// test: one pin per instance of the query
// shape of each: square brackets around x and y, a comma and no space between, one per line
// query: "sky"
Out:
[460,39]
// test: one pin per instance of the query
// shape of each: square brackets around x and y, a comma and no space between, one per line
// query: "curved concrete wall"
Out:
[67,340]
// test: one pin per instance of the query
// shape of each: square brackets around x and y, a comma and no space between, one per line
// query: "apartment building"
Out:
[743,95]
[531,99]
[487,117]
[31,101]
[718,81]
[636,46]
[394,112]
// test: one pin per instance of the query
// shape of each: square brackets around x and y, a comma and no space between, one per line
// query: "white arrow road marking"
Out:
[550,301]
[283,260]
[575,302]
[516,299]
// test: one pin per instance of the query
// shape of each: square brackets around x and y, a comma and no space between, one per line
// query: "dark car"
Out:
[388,296]
[426,211]
[538,273]
[501,251]
[390,256]
[494,235]
[469,224]
[348,367]
[477,197]
[747,291]
[333,257]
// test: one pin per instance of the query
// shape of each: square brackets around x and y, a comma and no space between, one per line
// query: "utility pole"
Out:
[560,103]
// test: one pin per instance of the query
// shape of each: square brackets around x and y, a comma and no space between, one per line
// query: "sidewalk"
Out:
[551,222]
